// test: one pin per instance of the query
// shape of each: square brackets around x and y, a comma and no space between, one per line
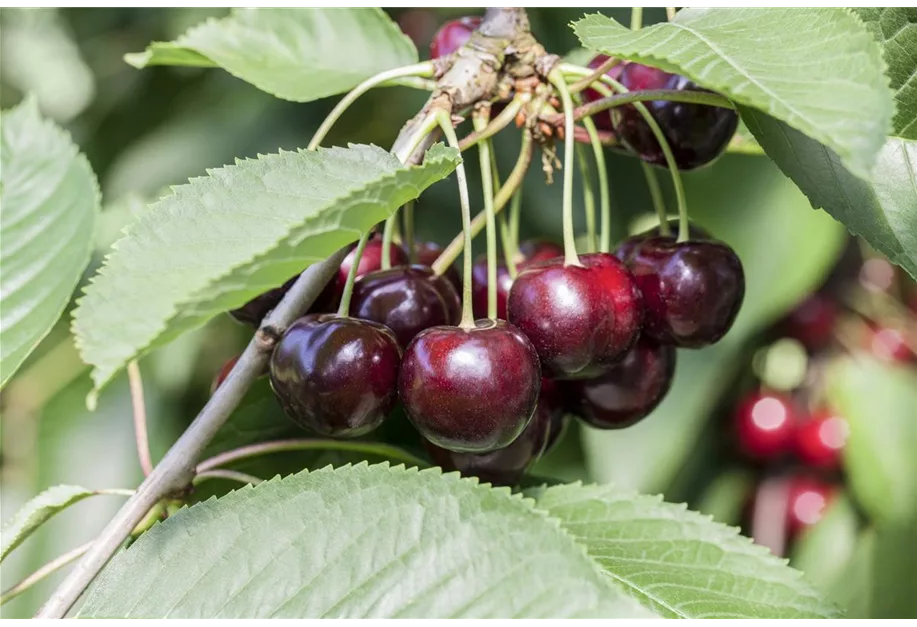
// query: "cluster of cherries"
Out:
[595,337]
[777,430]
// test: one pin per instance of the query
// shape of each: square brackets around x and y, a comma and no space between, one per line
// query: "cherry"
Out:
[696,133]
[812,322]
[820,439]
[428,252]
[629,391]
[407,300]
[479,287]
[453,35]
[470,390]
[692,291]
[533,251]
[808,498]
[887,343]
[627,248]
[254,311]
[504,466]
[223,373]
[764,424]
[336,376]
[552,401]
[603,119]
[581,319]
[370,261]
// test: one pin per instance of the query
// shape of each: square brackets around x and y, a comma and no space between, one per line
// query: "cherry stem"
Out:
[588,197]
[139,411]
[610,101]
[48,569]
[222,473]
[379,449]
[506,240]
[652,182]
[388,233]
[636,18]
[445,123]
[344,308]
[507,190]
[604,194]
[479,119]
[497,124]
[583,83]
[557,79]
[515,217]
[407,215]
[422,70]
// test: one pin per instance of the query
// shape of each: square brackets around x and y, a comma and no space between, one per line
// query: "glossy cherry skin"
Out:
[629,391]
[692,291]
[470,390]
[808,499]
[504,466]
[626,249]
[696,133]
[407,300]
[581,319]
[820,440]
[479,287]
[336,376]
[764,425]
[552,400]
[603,119]
[453,35]
[532,251]
[428,252]
[812,322]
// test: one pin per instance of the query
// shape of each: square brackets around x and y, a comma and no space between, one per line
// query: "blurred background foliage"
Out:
[145,130]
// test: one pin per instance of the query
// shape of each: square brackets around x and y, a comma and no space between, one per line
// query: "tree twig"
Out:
[139,410]
[48,569]
[232,475]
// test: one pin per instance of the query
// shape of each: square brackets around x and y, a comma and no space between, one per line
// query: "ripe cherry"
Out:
[603,119]
[507,465]
[628,247]
[820,440]
[552,401]
[470,390]
[764,425]
[406,299]
[370,261]
[692,290]
[581,319]
[428,252]
[696,133]
[629,391]
[223,373]
[253,312]
[887,343]
[812,322]
[532,251]
[336,376]
[453,35]
[529,253]
[809,498]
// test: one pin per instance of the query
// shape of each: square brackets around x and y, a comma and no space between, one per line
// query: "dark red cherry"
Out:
[533,251]
[407,300]
[507,465]
[479,288]
[626,249]
[223,373]
[629,391]
[552,401]
[692,291]
[470,390]
[820,440]
[453,35]
[887,343]
[581,319]
[764,424]
[808,499]
[812,322]
[696,133]
[370,261]
[428,252]
[603,119]
[336,376]
[253,312]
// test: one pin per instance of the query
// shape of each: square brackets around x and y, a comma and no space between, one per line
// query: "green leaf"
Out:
[358,541]
[49,200]
[34,513]
[765,59]
[878,402]
[678,562]
[747,203]
[295,54]
[896,30]
[881,212]
[220,240]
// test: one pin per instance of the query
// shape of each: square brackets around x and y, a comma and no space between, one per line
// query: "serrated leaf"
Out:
[220,240]
[296,54]
[883,212]
[34,513]
[764,58]
[896,30]
[678,562]
[878,401]
[49,200]
[357,541]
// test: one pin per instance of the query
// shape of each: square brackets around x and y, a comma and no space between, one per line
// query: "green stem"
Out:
[379,449]
[424,70]
[656,194]
[588,197]
[445,123]
[497,124]
[570,256]
[48,569]
[636,18]
[610,100]
[344,308]
[604,193]
[515,217]
[388,232]
[222,473]
[407,215]
[480,119]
